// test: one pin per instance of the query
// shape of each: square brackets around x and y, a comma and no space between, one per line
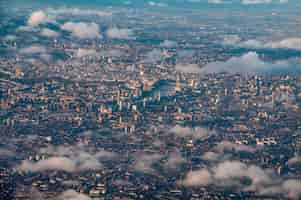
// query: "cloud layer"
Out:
[144,162]
[251,63]
[188,68]
[67,159]
[34,49]
[195,133]
[231,173]
[120,33]
[73,195]
[287,43]
[36,18]
[49,33]
[82,30]
[85,52]
[251,2]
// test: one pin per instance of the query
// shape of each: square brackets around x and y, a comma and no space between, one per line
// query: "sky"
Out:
[248,29]
[164,3]
[252,6]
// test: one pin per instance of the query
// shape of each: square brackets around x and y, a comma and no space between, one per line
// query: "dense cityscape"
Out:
[188,99]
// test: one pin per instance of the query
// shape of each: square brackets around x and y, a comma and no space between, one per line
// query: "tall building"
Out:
[178,84]
[19,73]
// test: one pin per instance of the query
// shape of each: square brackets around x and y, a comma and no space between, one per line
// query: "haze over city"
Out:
[150,99]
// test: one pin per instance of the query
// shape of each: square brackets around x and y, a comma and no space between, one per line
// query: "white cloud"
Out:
[290,188]
[168,44]
[157,4]
[6,152]
[250,2]
[82,30]
[112,53]
[153,56]
[235,169]
[247,2]
[230,173]
[144,162]
[244,2]
[222,151]
[26,28]
[127,2]
[226,173]
[68,159]
[229,146]
[46,57]
[175,158]
[216,1]
[251,63]
[194,1]
[287,43]
[36,18]
[231,40]
[34,49]
[200,177]
[185,54]
[295,161]
[188,68]
[35,194]
[53,163]
[49,33]
[85,52]
[73,195]
[120,33]
[293,188]
[10,38]
[196,133]
[211,156]
[78,12]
